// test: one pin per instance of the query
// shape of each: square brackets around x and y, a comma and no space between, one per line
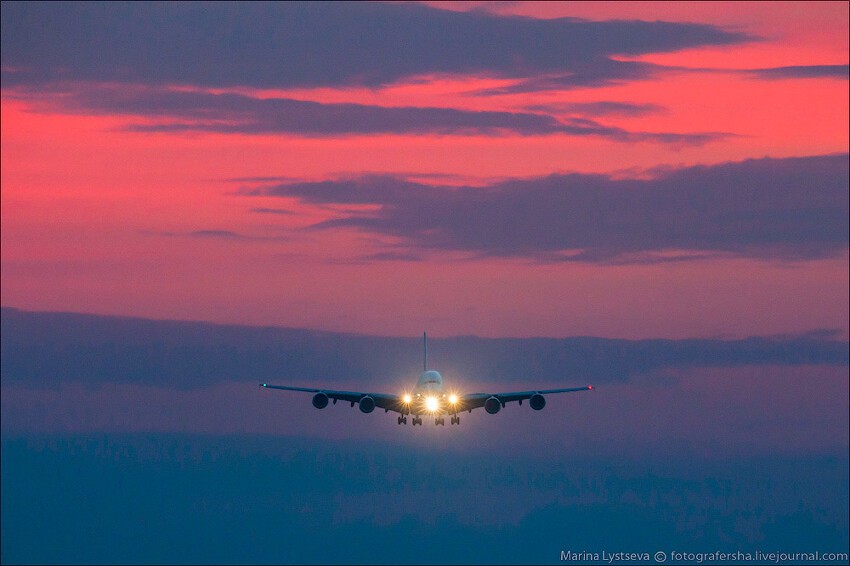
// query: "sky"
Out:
[649,197]
[627,170]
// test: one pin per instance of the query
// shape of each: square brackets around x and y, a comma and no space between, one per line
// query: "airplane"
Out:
[428,397]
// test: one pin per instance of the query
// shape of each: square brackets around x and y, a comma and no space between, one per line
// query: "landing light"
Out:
[453,399]
[407,399]
[432,404]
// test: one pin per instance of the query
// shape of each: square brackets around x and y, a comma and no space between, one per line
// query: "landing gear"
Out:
[416,421]
[402,419]
[456,420]
[439,421]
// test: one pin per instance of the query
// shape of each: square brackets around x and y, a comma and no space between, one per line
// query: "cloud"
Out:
[592,73]
[216,235]
[44,349]
[612,72]
[168,110]
[803,72]
[600,108]
[319,44]
[393,256]
[786,209]
[281,211]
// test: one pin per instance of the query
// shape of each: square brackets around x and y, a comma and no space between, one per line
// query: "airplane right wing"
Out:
[367,401]
[493,402]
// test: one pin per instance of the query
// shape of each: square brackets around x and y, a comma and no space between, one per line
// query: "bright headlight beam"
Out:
[407,399]
[432,404]
[453,399]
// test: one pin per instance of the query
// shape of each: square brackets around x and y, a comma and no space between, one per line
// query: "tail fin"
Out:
[425,351]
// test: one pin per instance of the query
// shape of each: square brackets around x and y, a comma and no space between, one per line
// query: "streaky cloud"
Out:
[214,234]
[174,111]
[598,108]
[803,72]
[279,211]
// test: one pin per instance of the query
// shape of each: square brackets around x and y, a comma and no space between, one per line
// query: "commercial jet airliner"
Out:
[429,397]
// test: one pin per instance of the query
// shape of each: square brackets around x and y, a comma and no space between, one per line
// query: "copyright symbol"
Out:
[660,556]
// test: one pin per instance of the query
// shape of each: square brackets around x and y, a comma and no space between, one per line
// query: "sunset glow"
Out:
[150,193]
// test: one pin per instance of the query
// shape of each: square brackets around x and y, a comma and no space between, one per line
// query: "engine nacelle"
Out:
[492,405]
[537,401]
[320,400]
[367,404]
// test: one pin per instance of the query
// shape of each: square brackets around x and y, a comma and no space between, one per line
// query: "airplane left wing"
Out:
[367,401]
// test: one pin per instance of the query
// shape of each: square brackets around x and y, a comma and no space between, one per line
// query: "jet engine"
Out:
[492,405]
[320,400]
[367,404]
[537,401]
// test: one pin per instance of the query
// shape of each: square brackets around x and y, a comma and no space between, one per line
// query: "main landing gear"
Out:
[417,420]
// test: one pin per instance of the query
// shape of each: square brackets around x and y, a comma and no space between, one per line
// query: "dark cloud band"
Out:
[44,349]
[789,209]
[317,43]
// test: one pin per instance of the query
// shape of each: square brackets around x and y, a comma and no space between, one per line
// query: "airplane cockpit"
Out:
[430,379]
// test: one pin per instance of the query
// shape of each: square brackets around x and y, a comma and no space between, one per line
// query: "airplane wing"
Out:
[492,402]
[382,400]
[476,400]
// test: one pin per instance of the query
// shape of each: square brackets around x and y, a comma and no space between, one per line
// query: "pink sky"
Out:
[98,219]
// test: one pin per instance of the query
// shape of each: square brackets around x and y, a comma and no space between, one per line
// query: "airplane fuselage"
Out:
[429,396]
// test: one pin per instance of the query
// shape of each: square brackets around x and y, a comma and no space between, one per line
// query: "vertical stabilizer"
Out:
[425,351]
